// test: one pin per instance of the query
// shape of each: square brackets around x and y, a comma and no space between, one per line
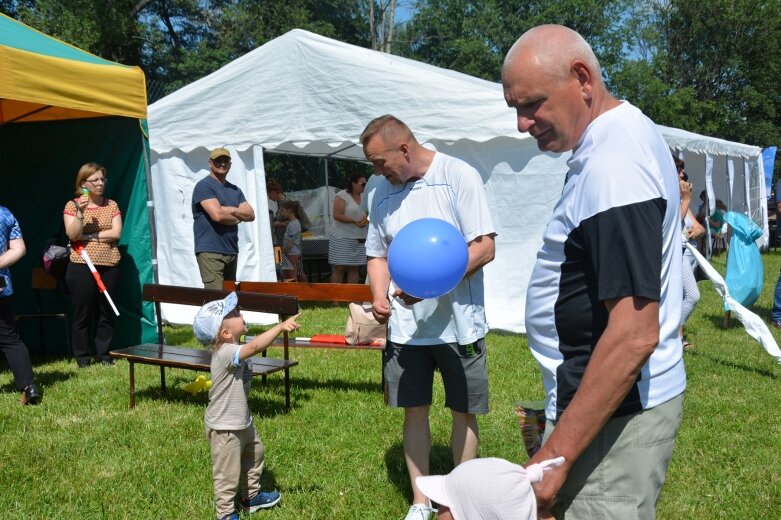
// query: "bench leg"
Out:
[162,379]
[287,389]
[263,377]
[132,385]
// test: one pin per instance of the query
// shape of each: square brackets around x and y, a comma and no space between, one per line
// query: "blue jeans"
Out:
[777,300]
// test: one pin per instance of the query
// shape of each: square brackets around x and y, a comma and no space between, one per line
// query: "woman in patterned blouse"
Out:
[96,222]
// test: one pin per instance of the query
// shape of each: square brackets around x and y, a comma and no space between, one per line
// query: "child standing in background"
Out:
[291,242]
[237,452]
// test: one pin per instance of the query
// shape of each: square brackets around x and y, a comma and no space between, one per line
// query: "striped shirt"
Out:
[228,408]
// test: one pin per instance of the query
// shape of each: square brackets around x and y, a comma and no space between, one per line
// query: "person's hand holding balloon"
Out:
[381,310]
[408,299]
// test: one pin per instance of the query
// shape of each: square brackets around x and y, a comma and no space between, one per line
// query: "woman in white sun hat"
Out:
[486,489]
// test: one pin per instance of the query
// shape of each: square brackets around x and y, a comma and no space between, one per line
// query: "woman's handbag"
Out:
[55,259]
[362,328]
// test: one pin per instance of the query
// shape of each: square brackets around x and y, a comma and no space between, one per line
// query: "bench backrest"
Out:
[311,292]
[272,304]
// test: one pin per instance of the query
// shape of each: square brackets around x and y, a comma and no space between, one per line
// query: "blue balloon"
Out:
[427,258]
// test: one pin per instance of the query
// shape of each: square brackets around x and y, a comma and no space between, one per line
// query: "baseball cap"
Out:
[489,489]
[219,152]
[208,321]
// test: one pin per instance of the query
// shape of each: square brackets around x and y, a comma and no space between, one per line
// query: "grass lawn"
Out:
[338,453]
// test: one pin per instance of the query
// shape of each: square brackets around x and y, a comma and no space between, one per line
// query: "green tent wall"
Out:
[40,163]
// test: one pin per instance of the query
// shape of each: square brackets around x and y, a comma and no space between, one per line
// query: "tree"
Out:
[710,67]
[103,27]
[473,36]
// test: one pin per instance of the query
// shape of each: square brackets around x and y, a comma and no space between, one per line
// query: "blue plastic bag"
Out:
[744,263]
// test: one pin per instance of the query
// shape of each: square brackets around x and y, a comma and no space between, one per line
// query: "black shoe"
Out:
[83,364]
[31,395]
[107,362]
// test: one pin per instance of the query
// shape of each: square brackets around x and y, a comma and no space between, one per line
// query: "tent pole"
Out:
[327,206]
[150,200]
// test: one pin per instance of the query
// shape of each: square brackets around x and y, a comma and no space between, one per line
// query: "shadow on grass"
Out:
[264,406]
[306,383]
[731,364]
[266,400]
[43,376]
[441,463]
[43,379]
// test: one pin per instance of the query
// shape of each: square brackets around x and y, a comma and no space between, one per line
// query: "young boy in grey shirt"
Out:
[236,449]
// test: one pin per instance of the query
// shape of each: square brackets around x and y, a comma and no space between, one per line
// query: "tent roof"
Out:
[682,140]
[45,79]
[304,93]
[308,94]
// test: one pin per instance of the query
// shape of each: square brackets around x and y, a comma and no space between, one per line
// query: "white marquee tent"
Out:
[306,94]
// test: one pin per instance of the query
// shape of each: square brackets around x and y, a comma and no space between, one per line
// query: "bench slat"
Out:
[312,292]
[192,359]
[337,346]
[270,303]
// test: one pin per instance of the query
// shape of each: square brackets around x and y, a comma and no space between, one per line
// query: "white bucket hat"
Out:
[208,321]
[488,489]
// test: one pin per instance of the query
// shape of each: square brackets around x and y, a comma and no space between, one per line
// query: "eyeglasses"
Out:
[102,180]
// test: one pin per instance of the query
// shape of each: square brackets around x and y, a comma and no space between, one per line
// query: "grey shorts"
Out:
[409,375]
[215,268]
[620,475]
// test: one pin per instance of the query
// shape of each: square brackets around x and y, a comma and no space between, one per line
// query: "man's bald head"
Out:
[552,80]
[554,48]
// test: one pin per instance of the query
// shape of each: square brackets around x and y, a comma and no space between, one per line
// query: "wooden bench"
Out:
[194,359]
[311,292]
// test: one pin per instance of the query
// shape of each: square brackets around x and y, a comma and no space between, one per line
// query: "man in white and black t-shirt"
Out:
[446,332]
[604,300]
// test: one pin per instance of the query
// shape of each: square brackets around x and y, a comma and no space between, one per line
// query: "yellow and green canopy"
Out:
[44,79]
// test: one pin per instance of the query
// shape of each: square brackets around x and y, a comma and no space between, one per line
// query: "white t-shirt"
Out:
[452,191]
[228,408]
[353,211]
[367,197]
[615,232]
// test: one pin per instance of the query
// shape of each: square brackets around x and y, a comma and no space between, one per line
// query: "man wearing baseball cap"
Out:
[218,207]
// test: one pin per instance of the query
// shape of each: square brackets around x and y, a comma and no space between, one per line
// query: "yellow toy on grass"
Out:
[201,384]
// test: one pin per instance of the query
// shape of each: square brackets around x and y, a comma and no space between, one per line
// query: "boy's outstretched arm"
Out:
[262,341]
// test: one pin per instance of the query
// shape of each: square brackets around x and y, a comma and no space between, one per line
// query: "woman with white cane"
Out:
[94,222]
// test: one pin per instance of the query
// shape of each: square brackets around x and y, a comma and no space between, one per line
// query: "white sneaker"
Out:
[420,512]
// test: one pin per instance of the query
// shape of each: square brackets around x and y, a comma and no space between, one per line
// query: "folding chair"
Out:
[43,281]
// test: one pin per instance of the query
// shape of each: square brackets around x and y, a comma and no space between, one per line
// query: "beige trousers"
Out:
[237,464]
[621,473]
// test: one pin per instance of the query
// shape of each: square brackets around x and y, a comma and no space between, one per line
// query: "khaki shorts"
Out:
[620,475]
[409,375]
[215,268]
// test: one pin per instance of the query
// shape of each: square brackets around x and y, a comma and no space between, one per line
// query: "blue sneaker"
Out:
[262,500]
[232,516]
